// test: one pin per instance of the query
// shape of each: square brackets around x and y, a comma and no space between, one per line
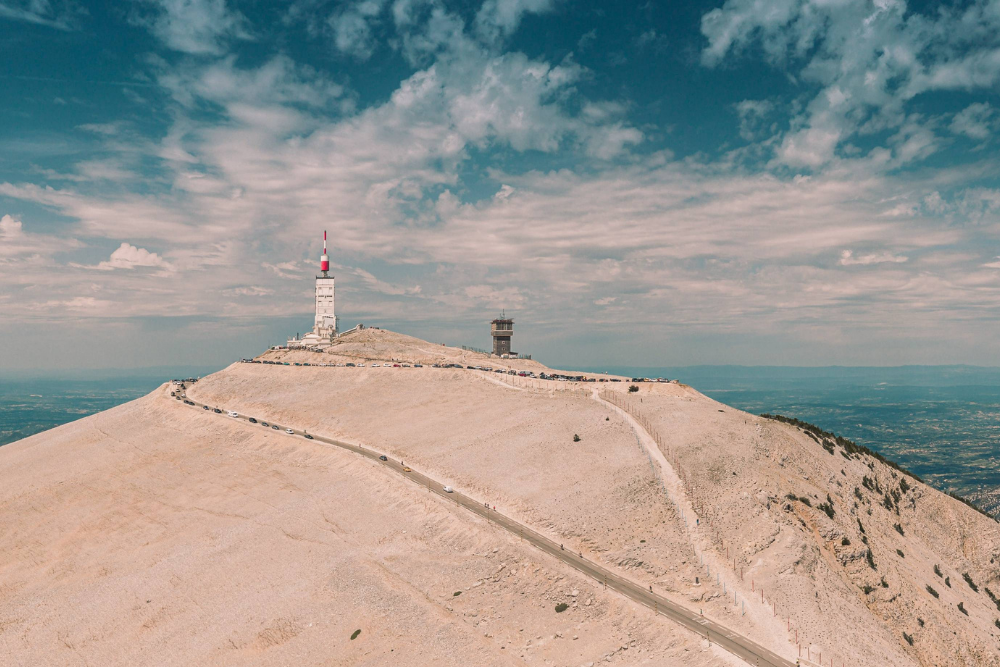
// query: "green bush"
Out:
[920,621]
[456,593]
[844,542]
[826,507]
[884,583]
[871,560]
[908,638]
[561,607]
[576,438]
[899,529]
[932,591]
[947,582]
[355,635]
[968,580]
[961,608]
[632,388]
[903,486]
[901,554]
[937,571]
[867,589]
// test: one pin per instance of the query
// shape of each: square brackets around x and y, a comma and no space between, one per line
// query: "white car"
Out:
[289,431]
[375,366]
[361,365]
[233,414]
[448,489]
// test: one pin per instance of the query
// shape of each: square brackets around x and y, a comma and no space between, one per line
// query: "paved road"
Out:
[738,645]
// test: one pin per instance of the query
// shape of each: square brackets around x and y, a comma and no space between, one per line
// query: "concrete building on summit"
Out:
[325,321]
[502,329]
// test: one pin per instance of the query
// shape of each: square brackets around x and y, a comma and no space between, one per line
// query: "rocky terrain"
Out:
[157,534]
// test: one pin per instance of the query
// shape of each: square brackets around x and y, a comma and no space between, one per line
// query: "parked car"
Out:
[206,407]
[383,458]
[448,489]
[308,437]
[264,424]
[289,431]
[275,427]
[252,420]
[217,411]
[407,469]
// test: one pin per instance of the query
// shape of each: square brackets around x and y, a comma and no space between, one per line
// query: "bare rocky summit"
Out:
[160,534]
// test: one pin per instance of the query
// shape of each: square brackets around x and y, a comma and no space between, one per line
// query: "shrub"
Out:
[899,529]
[576,438]
[887,502]
[932,591]
[456,594]
[857,494]
[805,501]
[903,486]
[632,388]
[845,542]
[961,608]
[867,483]
[920,621]
[861,527]
[997,622]
[937,571]
[561,607]
[947,582]
[607,419]
[826,507]
[864,540]
[871,560]
[867,589]
[884,583]
[355,634]
[908,638]
[901,554]
[792,496]
[968,580]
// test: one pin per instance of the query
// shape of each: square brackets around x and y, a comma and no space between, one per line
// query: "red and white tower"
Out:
[325,323]
[324,260]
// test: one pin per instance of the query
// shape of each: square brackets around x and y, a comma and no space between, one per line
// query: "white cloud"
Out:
[500,18]
[58,14]
[128,256]
[861,63]
[352,26]
[975,121]
[847,258]
[199,27]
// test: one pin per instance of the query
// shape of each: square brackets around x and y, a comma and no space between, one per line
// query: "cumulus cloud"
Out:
[128,256]
[15,240]
[847,258]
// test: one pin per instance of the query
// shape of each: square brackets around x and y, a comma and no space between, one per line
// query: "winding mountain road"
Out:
[738,645]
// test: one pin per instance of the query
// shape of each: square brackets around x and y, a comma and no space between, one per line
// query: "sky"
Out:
[761,182]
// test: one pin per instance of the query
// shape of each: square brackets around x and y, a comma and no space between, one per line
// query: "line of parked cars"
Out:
[556,377]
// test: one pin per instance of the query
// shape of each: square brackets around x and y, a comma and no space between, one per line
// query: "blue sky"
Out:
[784,182]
